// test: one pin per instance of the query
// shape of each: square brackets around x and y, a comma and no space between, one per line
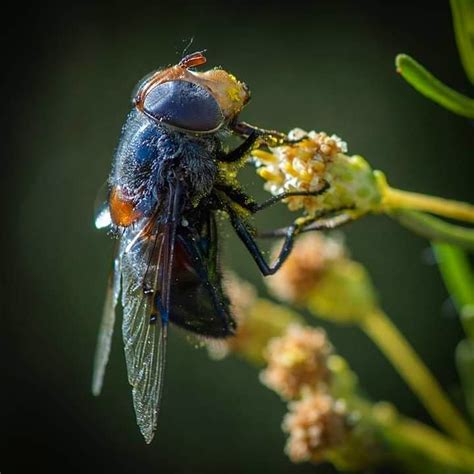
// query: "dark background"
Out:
[69,71]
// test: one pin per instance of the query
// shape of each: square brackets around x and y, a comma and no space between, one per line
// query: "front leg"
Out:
[253,134]
[269,137]
[238,153]
[250,205]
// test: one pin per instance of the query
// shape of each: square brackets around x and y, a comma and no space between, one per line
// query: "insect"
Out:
[165,189]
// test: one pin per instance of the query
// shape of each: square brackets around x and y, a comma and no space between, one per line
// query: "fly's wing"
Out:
[144,331]
[147,251]
[104,340]
[102,218]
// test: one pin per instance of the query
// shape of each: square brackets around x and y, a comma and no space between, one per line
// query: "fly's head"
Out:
[191,101]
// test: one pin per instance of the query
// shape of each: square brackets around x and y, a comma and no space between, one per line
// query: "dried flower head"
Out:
[314,160]
[258,321]
[320,276]
[315,424]
[310,259]
[297,361]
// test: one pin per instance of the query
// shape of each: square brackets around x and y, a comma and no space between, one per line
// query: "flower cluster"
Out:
[320,276]
[299,167]
[315,424]
[297,361]
[327,418]
[298,369]
[310,259]
[311,162]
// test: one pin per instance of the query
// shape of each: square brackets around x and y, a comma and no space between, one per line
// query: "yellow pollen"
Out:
[326,149]
[307,176]
[318,166]
[265,156]
[233,93]
[288,167]
[267,175]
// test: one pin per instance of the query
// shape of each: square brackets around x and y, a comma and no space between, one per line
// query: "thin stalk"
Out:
[428,441]
[412,369]
[459,280]
[434,228]
[398,199]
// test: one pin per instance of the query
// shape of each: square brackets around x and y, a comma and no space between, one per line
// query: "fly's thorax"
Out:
[193,162]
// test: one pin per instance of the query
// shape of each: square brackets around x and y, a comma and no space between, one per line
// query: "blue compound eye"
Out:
[184,105]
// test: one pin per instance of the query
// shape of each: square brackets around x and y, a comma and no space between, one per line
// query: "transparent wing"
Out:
[104,340]
[102,218]
[144,331]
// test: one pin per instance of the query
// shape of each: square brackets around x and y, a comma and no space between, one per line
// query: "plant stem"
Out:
[458,277]
[435,229]
[398,199]
[426,440]
[459,280]
[411,368]
[465,366]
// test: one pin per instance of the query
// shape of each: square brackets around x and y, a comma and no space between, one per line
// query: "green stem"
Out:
[459,280]
[425,83]
[419,437]
[398,199]
[412,369]
[434,229]
[465,365]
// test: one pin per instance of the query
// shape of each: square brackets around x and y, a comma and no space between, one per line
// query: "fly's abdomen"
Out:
[122,209]
[197,301]
[134,174]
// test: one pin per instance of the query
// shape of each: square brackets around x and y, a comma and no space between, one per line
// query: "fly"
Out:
[164,191]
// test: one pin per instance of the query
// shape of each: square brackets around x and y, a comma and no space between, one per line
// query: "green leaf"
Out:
[425,83]
[435,229]
[463,22]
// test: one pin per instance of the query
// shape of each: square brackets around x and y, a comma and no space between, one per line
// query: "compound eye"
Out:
[184,105]
[139,85]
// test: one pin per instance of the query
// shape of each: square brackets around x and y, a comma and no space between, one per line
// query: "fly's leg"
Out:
[270,137]
[279,197]
[252,134]
[328,223]
[238,153]
[249,242]
[250,205]
[289,233]
[313,224]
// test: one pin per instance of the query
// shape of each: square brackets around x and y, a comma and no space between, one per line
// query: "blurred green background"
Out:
[320,65]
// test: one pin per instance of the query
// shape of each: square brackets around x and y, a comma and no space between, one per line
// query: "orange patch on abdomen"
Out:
[122,210]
